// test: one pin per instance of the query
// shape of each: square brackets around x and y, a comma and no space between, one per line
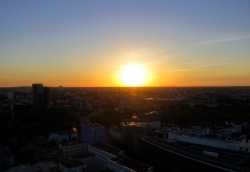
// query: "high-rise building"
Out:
[40,96]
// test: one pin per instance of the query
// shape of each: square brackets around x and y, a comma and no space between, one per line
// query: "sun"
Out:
[133,75]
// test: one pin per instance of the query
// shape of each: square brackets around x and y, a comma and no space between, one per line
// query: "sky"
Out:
[89,43]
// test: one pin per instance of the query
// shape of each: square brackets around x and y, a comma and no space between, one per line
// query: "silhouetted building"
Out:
[40,96]
[135,125]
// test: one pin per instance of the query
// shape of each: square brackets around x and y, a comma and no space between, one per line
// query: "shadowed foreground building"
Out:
[182,156]
[111,158]
[135,125]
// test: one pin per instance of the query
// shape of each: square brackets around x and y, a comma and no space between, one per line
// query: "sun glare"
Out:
[133,75]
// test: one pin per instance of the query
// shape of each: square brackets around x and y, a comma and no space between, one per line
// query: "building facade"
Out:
[131,126]
[93,133]
[72,148]
[126,164]
[41,96]
[102,154]
[58,137]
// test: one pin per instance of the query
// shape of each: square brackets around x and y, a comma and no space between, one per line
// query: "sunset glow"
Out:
[133,75]
[88,44]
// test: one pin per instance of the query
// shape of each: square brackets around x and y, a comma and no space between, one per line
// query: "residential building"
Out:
[72,166]
[63,136]
[93,133]
[72,148]
[155,124]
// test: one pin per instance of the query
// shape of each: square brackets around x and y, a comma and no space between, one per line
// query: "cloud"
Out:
[236,38]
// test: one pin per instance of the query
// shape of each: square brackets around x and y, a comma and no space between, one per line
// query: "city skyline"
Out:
[89,44]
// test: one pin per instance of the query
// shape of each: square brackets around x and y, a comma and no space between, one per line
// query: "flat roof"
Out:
[72,143]
[227,158]
[94,125]
[72,163]
[131,163]
[138,124]
[107,148]
[82,156]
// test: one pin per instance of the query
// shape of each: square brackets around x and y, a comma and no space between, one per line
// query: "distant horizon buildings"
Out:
[41,96]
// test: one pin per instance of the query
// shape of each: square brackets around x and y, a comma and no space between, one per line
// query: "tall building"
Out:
[40,96]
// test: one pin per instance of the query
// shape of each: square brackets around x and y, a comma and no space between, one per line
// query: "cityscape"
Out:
[125,86]
[125,128]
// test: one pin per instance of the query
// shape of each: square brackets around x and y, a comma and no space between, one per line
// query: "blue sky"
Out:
[79,43]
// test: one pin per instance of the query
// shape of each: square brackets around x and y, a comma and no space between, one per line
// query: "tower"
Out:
[40,96]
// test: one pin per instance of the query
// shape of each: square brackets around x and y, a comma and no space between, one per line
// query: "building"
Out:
[72,165]
[41,96]
[116,132]
[77,103]
[181,156]
[6,158]
[50,166]
[235,124]
[162,132]
[10,95]
[222,132]
[93,133]
[207,141]
[86,158]
[41,139]
[103,153]
[135,125]
[63,136]
[155,124]
[72,148]
[126,164]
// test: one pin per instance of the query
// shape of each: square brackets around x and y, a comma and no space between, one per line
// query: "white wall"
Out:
[202,141]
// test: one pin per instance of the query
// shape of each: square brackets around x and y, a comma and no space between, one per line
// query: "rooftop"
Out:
[138,124]
[116,128]
[82,156]
[107,148]
[94,125]
[72,163]
[131,163]
[72,143]
[227,158]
